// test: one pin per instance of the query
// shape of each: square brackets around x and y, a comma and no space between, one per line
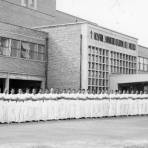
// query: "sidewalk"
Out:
[84,133]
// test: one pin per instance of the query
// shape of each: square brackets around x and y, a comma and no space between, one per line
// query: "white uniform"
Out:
[105,101]
[1,108]
[113,105]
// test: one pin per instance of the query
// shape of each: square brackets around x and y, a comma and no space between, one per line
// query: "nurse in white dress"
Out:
[106,102]
[1,107]
[77,104]
[11,106]
[6,106]
[145,100]
[27,103]
[72,104]
[84,104]
[113,102]
[118,96]
[20,104]
[143,105]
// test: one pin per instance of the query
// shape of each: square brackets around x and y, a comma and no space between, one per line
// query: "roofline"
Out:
[85,22]
[59,25]
[24,27]
[142,46]
[28,8]
[98,25]
[76,17]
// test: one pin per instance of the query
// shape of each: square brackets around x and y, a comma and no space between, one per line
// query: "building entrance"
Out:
[139,86]
[2,85]
[23,84]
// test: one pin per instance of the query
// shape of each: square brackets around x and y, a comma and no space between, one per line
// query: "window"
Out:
[41,52]
[5,46]
[143,64]
[30,3]
[25,47]
[15,48]
[25,3]
[98,37]
[33,53]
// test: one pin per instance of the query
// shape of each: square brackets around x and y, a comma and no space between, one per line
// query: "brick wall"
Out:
[22,33]
[45,6]
[64,57]
[18,65]
[62,18]
[18,15]
[142,51]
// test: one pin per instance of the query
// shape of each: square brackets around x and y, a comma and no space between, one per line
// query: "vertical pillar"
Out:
[43,85]
[7,82]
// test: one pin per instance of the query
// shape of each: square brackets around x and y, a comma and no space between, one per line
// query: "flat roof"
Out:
[143,46]
[32,29]
[83,22]
[129,78]
[90,22]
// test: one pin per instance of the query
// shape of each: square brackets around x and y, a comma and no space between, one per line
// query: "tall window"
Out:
[41,52]
[15,48]
[25,48]
[5,46]
[33,53]
[143,64]
[30,3]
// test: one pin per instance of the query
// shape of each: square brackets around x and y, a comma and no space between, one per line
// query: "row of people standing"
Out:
[71,94]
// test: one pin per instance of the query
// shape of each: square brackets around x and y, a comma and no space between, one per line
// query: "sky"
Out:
[126,16]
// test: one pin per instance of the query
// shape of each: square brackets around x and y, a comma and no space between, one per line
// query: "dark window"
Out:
[15,48]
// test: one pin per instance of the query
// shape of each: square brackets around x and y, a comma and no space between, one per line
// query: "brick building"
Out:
[43,47]
[84,55]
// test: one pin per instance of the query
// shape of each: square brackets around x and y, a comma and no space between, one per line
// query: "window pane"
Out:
[33,53]
[25,47]
[141,66]
[145,67]
[4,43]
[141,60]
[145,61]
[41,52]
[15,48]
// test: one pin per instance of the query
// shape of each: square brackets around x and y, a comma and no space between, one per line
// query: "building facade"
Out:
[138,81]
[43,47]
[84,55]
[22,57]
[28,13]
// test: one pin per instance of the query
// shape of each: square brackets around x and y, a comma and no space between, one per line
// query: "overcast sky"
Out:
[126,16]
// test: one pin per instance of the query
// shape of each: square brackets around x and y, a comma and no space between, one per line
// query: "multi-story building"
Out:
[22,57]
[138,81]
[43,47]
[28,13]
[83,55]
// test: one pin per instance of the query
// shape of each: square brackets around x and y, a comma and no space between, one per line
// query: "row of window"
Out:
[143,64]
[30,4]
[97,89]
[121,70]
[124,64]
[98,67]
[121,56]
[98,51]
[21,49]
[97,82]
[98,59]
[113,41]
[98,74]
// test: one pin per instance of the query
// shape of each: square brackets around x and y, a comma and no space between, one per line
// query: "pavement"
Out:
[125,132]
